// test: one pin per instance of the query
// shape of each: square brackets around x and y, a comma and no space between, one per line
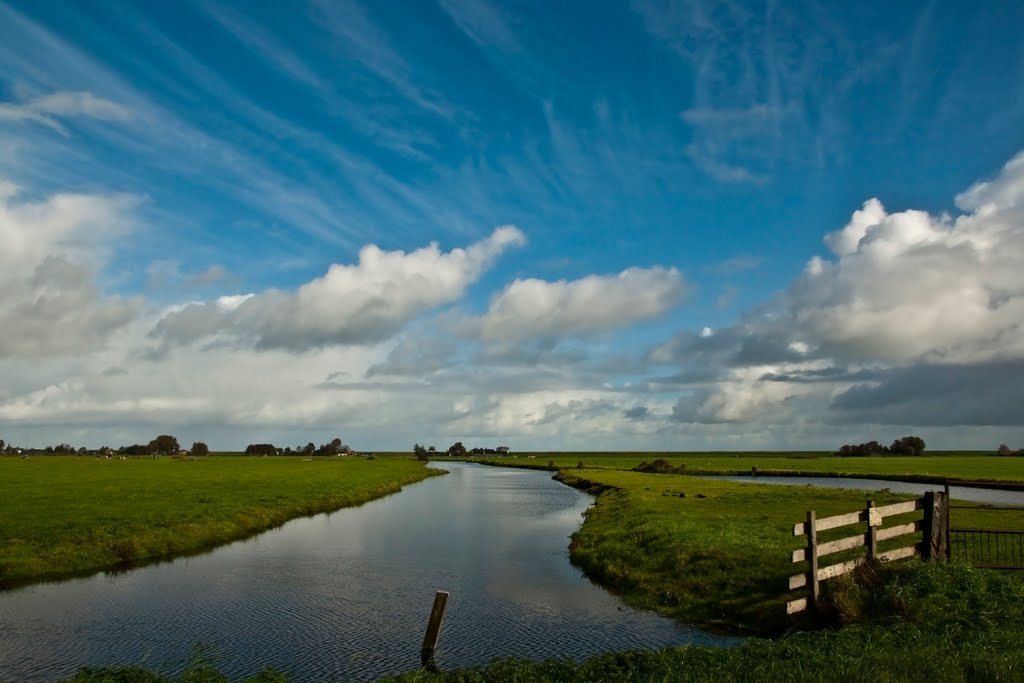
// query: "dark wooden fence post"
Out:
[940,530]
[935,529]
[433,631]
[872,539]
[926,525]
[812,558]
[949,538]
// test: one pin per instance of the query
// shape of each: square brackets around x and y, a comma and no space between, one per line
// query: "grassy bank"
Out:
[926,468]
[61,516]
[719,556]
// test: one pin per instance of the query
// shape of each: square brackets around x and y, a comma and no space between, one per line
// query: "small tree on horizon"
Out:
[199,449]
[165,443]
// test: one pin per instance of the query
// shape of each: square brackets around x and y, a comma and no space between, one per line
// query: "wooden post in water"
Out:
[812,558]
[433,632]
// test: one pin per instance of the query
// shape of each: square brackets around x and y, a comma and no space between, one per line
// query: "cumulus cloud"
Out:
[48,110]
[915,319]
[596,303]
[50,253]
[910,285]
[350,304]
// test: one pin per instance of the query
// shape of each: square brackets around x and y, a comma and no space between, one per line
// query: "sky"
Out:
[637,225]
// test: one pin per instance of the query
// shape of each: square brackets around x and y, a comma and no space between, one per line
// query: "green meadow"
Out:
[707,552]
[713,552]
[62,515]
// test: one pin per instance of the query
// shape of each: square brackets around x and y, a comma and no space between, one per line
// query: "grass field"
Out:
[720,556]
[718,560]
[954,466]
[63,515]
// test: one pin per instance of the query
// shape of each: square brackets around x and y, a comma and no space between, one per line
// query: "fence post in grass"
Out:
[433,632]
[949,545]
[811,529]
[935,526]
[926,525]
[872,540]
[940,527]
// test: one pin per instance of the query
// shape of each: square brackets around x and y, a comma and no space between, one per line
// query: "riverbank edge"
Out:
[277,518]
[764,629]
[998,484]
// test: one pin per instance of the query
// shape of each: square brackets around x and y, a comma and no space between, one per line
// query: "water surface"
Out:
[345,596]
[964,493]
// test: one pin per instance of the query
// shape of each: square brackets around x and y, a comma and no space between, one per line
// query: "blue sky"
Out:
[643,219]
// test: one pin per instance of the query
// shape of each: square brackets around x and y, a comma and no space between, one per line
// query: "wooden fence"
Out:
[931,543]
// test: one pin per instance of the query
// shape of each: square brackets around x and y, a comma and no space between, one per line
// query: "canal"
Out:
[346,595]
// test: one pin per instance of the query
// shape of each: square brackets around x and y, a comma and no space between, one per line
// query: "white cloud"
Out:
[910,307]
[722,170]
[50,253]
[596,303]
[1006,190]
[350,304]
[908,285]
[48,110]
[755,116]
[737,396]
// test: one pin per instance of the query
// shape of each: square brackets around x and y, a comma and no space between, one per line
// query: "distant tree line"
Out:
[1006,450]
[334,447]
[456,450]
[908,445]
[165,444]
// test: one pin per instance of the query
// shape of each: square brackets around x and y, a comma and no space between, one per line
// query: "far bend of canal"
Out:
[972,494]
[345,596]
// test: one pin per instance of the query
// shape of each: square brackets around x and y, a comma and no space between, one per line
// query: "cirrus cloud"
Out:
[48,110]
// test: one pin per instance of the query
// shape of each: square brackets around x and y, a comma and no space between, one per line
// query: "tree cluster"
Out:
[908,445]
[335,447]
[261,449]
[165,444]
[1006,450]
[457,450]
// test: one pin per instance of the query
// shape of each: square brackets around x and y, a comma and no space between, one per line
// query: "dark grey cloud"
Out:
[637,413]
[59,311]
[816,375]
[936,395]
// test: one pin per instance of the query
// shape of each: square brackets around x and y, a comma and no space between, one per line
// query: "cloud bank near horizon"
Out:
[912,322]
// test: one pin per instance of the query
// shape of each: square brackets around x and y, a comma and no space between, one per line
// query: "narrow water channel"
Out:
[345,596]
[964,493]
